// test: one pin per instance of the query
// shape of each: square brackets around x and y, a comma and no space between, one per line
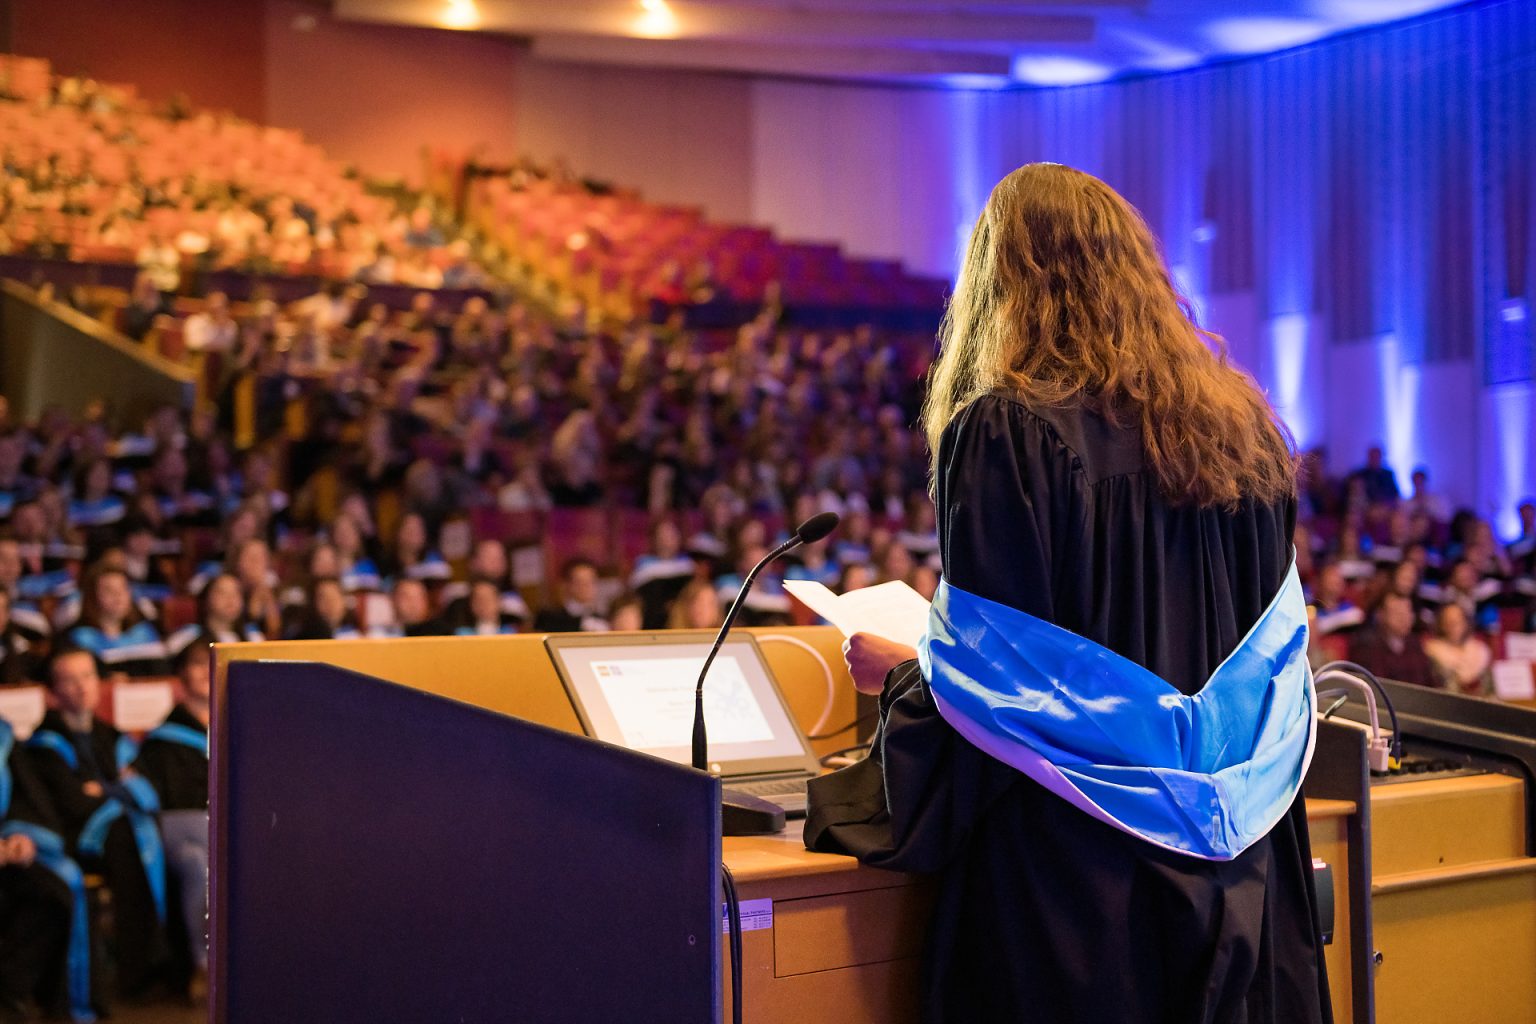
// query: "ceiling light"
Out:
[656,21]
[460,14]
[1264,35]
[1054,70]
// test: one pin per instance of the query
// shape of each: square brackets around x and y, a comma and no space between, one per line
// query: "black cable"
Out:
[733,914]
[1370,677]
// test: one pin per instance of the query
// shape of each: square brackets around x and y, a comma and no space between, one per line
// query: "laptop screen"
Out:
[636,691]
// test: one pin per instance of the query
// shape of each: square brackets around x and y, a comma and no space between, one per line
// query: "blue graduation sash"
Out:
[7,741]
[1206,775]
[132,797]
[52,858]
[174,732]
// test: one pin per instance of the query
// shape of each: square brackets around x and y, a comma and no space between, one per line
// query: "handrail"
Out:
[97,331]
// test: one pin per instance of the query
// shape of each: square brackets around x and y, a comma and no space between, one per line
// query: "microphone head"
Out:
[816,527]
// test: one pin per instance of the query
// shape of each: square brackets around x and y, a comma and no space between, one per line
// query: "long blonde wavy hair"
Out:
[1064,297]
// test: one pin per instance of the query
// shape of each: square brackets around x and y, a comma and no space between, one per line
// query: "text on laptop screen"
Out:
[641,697]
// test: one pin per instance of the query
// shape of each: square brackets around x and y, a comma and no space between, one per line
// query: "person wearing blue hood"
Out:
[1098,745]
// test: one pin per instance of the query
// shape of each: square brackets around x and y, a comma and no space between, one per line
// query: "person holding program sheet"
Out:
[1098,744]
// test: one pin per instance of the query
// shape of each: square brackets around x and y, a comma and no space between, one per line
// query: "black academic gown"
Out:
[1045,914]
[141,948]
[35,906]
[178,773]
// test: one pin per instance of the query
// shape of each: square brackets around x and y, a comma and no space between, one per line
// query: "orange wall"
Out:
[373,95]
[212,50]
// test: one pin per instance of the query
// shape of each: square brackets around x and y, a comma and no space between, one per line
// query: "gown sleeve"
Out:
[1005,500]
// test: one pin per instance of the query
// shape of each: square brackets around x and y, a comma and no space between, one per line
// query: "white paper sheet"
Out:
[1520,646]
[23,707]
[891,610]
[1514,680]
[139,707]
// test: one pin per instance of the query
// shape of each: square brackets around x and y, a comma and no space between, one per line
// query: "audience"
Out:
[1390,647]
[1461,658]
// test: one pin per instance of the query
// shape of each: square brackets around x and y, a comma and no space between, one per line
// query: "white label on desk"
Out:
[139,707]
[755,916]
[24,708]
[1520,646]
[1513,680]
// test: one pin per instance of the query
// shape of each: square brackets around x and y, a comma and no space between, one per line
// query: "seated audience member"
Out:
[580,609]
[1352,553]
[358,570]
[211,329]
[855,576]
[1389,647]
[106,813]
[767,604]
[40,573]
[661,573]
[853,541]
[812,563]
[1335,612]
[1522,551]
[147,576]
[45,942]
[626,614]
[220,618]
[113,629]
[1425,502]
[145,306]
[925,580]
[23,616]
[488,561]
[896,563]
[483,615]
[413,556]
[250,562]
[326,616]
[94,507]
[18,659]
[1462,587]
[919,533]
[412,607]
[174,760]
[697,607]
[1376,478]
[1461,659]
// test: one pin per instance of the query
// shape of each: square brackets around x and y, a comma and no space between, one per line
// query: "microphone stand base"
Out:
[742,814]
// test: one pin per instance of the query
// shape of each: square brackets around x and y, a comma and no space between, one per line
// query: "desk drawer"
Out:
[824,933]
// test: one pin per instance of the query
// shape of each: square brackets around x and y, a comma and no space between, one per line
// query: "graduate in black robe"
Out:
[173,758]
[1044,913]
[80,770]
[36,906]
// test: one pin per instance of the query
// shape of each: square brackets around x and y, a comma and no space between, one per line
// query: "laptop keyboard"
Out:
[771,787]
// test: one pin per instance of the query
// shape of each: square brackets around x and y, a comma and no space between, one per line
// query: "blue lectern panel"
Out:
[393,856]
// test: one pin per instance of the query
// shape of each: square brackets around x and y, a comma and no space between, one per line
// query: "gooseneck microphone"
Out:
[808,532]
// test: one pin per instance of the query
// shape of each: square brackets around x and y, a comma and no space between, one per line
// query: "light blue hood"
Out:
[1205,775]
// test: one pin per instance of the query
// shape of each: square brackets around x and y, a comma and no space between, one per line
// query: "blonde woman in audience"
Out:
[1462,660]
[697,607]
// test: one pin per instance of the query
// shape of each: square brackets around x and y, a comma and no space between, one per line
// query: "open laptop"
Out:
[636,690]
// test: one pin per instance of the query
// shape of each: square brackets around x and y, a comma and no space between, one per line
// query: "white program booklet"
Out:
[891,610]
[1514,680]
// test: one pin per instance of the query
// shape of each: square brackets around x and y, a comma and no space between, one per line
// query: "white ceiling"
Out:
[983,43]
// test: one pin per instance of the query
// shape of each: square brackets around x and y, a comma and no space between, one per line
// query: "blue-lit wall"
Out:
[1358,217]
